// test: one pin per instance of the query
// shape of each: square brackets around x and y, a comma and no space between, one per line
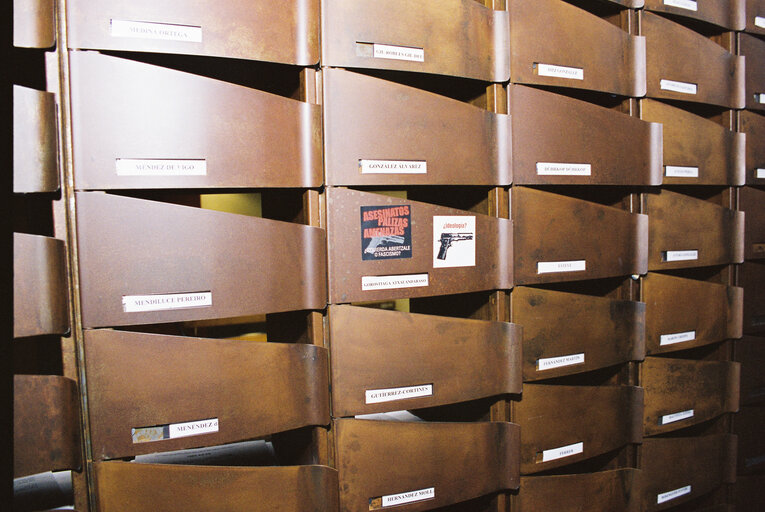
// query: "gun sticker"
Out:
[386,232]
[453,241]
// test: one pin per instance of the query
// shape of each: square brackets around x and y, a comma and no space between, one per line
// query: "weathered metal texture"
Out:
[566,424]
[40,286]
[177,488]
[459,461]
[456,37]
[755,16]
[568,333]
[753,125]
[552,130]
[347,269]
[752,203]
[753,49]
[748,426]
[750,352]
[751,277]
[674,233]
[550,32]
[35,150]
[46,424]
[617,489]
[685,313]
[126,117]
[714,154]
[247,264]
[747,493]
[689,466]
[409,125]
[556,229]
[252,389]
[459,359]
[678,54]
[682,392]
[34,23]
[729,14]
[286,32]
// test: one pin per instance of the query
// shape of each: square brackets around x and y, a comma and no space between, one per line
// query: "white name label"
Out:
[151,167]
[759,21]
[193,428]
[677,171]
[760,97]
[556,169]
[669,339]
[759,174]
[681,255]
[376,396]
[683,87]
[151,30]
[678,416]
[563,451]
[683,4]
[392,282]
[671,495]
[408,497]
[546,267]
[557,362]
[142,303]
[560,71]
[386,51]
[393,167]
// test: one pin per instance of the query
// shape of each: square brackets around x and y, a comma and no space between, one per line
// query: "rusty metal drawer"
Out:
[751,277]
[752,203]
[35,144]
[750,352]
[753,49]
[729,14]
[753,125]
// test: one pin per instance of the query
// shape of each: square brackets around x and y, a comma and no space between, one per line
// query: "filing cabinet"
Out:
[752,203]
[34,141]
[755,17]
[753,49]
[750,353]
[729,14]
[753,125]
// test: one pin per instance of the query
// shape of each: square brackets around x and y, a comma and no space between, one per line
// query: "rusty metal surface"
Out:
[670,464]
[46,424]
[755,9]
[753,49]
[34,23]
[176,488]
[459,461]
[556,33]
[552,128]
[248,264]
[753,125]
[748,426]
[457,37]
[40,286]
[673,224]
[493,251]
[461,359]
[752,203]
[601,418]
[35,161]
[286,31]
[751,277]
[718,154]
[127,113]
[407,124]
[679,54]
[750,352]
[696,391]
[556,228]
[558,326]
[685,313]
[729,14]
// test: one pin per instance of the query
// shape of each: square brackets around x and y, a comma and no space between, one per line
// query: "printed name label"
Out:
[681,255]
[376,396]
[393,167]
[683,87]
[760,174]
[546,267]
[386,51]
[760,98]
[671,495]
[392,282]
[560,71]
[759,21]
[407,497]
[563,451]
[683,4]
[193,428]
[678,171]
[142,303]
[678,416]
[152,167]
[151,30]
[669,339]
[557,362]
[559,169]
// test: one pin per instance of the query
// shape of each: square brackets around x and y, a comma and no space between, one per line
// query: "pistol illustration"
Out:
[448,238]
[377,240]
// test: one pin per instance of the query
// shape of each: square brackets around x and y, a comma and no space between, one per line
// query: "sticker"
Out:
[151,30]
[453,241]
[393,282]
[393,167]
[678,416]
[684,87]
[559,71]
[377,396]
[760,174]
[682,4]
[681,255]
[759,21]
[669,339]
[386,232]
[546,267]
[678,171]
[557,362]
[556,169]
[392,500]
[156,167]
[386,51]
[143,303]
[562,452]
[671,495]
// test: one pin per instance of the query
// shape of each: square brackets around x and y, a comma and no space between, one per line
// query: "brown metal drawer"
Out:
[753,125]
[751,277]
[752,203]
[126,117]
[685,313]
[755,17]
[454,360]
[729,14]
[750,352]
[422,465]
[34,24]
[682,392]
[35,144]
[748,425]
[753,49]
[170,263]
[567,333]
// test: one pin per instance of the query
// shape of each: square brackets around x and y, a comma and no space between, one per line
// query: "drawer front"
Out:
[729,14]
[750,352]
[35,144]
[753,126]
[752,203]
[753,49]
